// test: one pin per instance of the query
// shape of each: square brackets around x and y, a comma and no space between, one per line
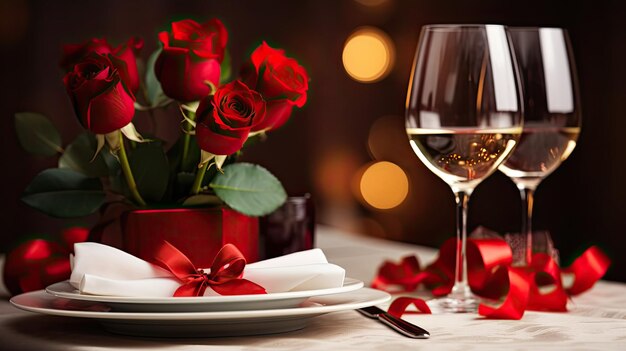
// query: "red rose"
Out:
[101,102]
[225,119]
[74,53]
[191,56]
[280,79]
[127,53]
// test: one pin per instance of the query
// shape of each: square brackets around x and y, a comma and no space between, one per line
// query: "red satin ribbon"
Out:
[514,302]
[405,276]
[509,290]
[224,277]
[587,269]
[38,263]
[399,306]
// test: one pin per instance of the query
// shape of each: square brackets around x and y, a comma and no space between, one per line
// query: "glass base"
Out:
[460,300]
[452,305]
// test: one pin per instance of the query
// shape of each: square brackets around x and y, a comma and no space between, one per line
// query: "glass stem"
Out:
[461,289]
[528,197]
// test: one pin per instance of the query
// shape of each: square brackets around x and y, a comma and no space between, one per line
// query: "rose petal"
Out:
[225,120]
[128,70]
[185,79]
[183,30]
[73,53]
[110,110]
[220,144]
[164,38]
[277,113]
[261,53]
[284,78]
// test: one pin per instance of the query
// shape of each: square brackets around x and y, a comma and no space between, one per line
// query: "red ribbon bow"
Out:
[224,277]
[540,286]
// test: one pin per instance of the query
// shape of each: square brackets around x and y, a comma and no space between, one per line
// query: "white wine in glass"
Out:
[463,157]
[551,116]
[463,119]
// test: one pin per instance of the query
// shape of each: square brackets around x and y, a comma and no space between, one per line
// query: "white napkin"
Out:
[104,270]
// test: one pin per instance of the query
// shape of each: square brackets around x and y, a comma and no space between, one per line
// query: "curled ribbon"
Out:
[398,306]
[507,291]
[406,276]
[224,276]
[37,263]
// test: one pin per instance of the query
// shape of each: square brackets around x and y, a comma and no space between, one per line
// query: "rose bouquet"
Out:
[113,163]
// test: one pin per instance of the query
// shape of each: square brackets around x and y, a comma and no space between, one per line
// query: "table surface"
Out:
[596,320]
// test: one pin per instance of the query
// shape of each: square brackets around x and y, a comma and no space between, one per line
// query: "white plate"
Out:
[201,303]
[200,324]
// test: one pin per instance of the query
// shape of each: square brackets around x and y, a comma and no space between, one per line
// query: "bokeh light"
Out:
[368,55]
[333,174]
[383,185]
[387,140]
[14,21]
[372,3]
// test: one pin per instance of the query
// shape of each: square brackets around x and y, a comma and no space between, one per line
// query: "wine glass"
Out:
[463,119]
[552,116]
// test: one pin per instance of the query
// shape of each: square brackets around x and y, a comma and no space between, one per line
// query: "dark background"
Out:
[325,145]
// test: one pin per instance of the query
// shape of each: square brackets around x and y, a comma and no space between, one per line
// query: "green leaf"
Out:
[156,97]
[249,189]
[64,193]
[37,134]
[150,169]
[225,68]
[202,200]
[79,154]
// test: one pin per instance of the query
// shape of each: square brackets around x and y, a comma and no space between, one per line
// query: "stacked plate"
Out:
[233,315]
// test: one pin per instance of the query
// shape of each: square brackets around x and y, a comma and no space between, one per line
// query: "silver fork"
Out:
[400,325]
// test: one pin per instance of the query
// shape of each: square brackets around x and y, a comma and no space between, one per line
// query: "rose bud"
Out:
[74,53]
[101,102]
[225,119]
[191,56]
[280,79]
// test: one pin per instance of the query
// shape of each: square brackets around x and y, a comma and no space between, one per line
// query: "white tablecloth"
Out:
[596,321]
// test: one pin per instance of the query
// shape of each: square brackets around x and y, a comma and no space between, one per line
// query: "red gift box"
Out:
[199,233]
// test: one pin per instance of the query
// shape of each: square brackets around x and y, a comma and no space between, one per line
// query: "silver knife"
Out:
[400,325]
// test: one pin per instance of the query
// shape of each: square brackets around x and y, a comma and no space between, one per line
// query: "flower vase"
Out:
[199,233]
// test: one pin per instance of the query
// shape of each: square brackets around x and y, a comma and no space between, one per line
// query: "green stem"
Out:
[197,182]
[187,127]
[128,174]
